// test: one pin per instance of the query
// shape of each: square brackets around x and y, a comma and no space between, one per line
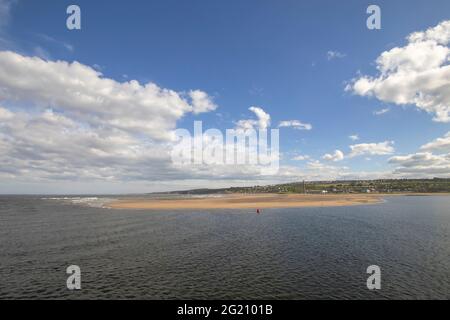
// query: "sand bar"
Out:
[249,201]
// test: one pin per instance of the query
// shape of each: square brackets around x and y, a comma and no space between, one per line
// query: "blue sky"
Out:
[270,54]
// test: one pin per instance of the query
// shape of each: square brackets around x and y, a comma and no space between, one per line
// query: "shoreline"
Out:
[257,201]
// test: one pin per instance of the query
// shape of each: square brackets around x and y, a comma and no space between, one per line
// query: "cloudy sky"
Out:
[95,110]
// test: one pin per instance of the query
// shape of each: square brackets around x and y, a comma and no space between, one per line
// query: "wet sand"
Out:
[249,201]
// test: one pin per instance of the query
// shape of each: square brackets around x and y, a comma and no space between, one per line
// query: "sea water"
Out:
[295,253]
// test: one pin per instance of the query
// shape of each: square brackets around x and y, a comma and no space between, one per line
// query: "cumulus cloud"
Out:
[51,146]
[440,145]
[338,155]
[296,124]
[425,163]
[65,121]
[48,146]
[201,102]
[82,92]
[262,122]
[354,137]
[418,159]
[381,148]
[415,74]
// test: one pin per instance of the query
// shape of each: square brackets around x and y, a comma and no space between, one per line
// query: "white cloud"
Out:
[263,117]
[47,146]
[85,95]
[262,122]
[51,146]
[380,112]
[422,164]
[381,148]
[64,121]
[418,159]
[416,74]
[440,145]
[335,55]
[296,124]
[354,137]
[201,102]
[300,158]
[338,155]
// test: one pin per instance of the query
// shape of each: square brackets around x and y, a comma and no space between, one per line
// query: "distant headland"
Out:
[298,194]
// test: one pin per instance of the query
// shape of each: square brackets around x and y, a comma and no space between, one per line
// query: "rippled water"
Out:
[225,254]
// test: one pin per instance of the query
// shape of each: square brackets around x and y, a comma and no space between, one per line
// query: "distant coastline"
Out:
[380,186]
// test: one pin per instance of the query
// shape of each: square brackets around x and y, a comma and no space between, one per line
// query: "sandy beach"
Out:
[249,201]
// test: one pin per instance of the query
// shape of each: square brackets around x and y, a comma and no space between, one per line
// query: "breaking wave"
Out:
[95,202]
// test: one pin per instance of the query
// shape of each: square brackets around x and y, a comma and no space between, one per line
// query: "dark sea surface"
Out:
[305,253]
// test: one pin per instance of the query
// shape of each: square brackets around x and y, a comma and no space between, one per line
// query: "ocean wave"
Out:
[95,202]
